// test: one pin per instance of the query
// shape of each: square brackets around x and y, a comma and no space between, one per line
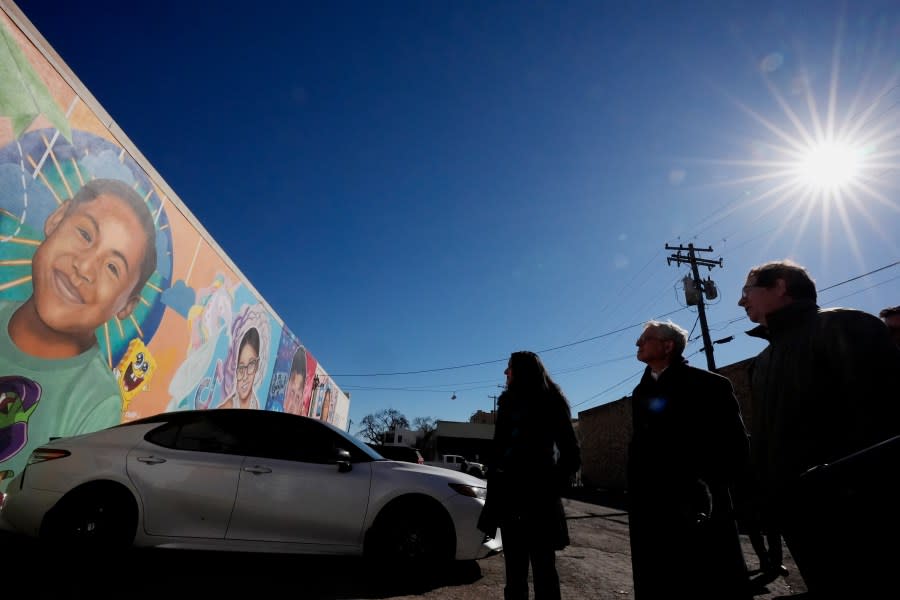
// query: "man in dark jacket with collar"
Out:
[688,448]
[826,402]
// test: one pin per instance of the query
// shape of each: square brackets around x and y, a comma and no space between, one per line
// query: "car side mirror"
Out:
[342,458]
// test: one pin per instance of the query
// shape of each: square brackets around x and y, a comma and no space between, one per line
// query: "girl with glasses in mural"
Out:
[246,362]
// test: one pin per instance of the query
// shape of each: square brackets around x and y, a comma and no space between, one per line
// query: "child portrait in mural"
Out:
[296,384]
[246,363]
[322,395]
[98,251]
[245,373]
[327,405]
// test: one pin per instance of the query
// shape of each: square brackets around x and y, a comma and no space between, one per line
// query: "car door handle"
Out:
[151,460]
[257,470]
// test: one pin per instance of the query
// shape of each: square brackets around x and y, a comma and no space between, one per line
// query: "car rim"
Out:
[413,542]
[413,534]
[94,521]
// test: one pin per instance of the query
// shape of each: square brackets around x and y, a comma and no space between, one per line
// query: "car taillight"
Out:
[45,454]
[6,474]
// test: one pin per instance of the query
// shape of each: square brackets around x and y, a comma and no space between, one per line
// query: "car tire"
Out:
[414,532]
[101,517]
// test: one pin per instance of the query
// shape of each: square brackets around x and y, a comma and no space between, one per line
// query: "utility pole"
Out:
[695,289]
[494,412]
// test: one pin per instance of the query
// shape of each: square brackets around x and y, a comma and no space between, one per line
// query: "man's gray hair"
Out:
[667,330]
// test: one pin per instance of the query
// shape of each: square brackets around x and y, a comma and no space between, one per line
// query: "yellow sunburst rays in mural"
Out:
[15,282]
[14,240]
[48,152]
[134,322]
[38,172]
[190,271]
[37,167]
[15,262]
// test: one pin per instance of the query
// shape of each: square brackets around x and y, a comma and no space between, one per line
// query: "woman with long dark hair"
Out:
[533,456]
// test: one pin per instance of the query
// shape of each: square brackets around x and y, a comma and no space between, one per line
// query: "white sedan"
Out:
[245,480]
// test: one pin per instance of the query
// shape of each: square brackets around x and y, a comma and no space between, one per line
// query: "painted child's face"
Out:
[294,392]
[86,269]
[248,363]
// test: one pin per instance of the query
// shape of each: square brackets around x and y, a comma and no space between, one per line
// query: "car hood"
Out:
[434,480]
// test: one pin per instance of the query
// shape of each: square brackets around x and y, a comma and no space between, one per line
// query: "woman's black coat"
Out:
[525,474]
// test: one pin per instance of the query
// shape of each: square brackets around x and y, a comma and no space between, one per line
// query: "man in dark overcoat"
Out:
[687,450]
[826,433]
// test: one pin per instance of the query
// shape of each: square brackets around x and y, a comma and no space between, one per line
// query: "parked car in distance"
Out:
[246,480]
[457,462]
[404,453]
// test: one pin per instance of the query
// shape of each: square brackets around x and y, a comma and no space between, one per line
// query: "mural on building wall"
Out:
[113,306]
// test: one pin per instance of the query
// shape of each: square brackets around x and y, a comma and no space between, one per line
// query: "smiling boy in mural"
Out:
[99,251]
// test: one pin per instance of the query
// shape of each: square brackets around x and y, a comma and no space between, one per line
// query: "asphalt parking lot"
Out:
[596,565]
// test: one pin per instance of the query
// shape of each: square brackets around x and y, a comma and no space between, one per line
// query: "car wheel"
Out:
[412,532]
[102,517]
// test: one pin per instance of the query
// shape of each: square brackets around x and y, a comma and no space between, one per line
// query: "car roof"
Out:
[182,416]
[230,415]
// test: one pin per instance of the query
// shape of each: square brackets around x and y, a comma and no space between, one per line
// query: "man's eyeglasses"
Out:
[248,369]
[745,291]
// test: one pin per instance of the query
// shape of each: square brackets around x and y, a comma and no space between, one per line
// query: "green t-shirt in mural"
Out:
[43,398]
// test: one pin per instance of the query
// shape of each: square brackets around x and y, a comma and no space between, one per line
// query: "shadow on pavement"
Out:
[146,573]
[603,497]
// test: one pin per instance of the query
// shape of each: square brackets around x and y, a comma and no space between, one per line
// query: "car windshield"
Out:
[374,451]
[362,446]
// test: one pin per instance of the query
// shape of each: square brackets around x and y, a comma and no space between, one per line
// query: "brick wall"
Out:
[604,432]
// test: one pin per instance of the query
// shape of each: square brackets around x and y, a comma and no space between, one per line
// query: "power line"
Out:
[737,319]
[590,339]
[864,289]
[356,388]
[633,375]
[499,360]
[612,387]
[488,383]
[624,286]
[893,264]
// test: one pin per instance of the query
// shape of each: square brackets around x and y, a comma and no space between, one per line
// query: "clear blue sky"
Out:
[421,185]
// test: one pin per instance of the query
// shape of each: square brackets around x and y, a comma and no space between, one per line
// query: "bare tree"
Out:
[373,427]
[426,425]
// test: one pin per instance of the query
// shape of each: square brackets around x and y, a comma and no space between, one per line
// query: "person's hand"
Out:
[697,503]
[704,501]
